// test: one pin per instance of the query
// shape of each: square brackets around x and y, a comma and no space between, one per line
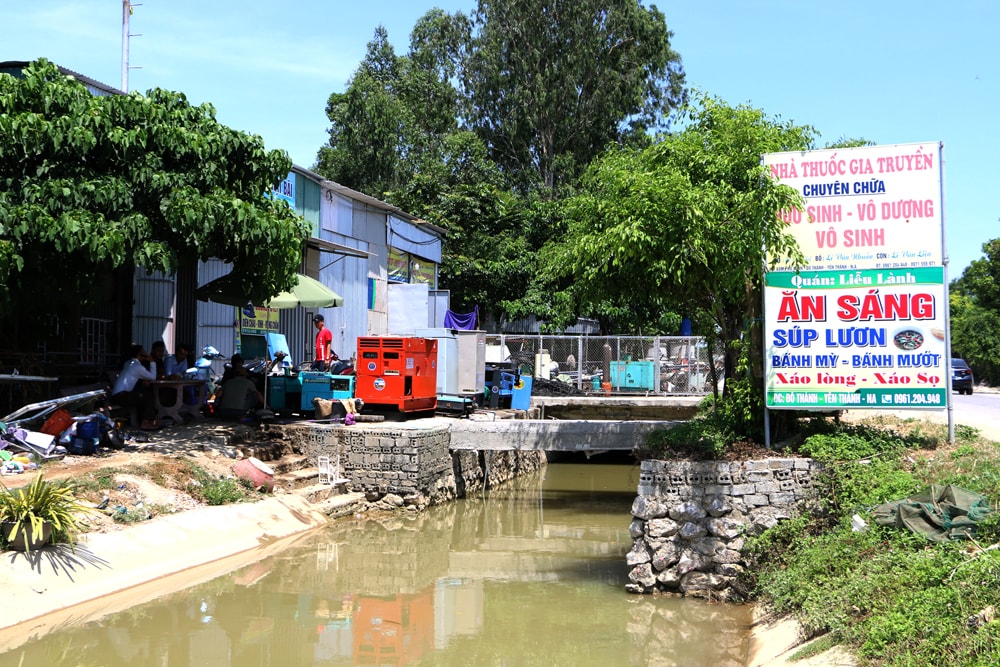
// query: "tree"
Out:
[975,314]
[396,112]
[544,87]
[90,184]
[550,84]
[683,224]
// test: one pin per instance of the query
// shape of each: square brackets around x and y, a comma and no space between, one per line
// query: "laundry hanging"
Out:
[464,322]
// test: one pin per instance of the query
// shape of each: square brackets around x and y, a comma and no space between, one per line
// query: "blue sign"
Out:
[285,190]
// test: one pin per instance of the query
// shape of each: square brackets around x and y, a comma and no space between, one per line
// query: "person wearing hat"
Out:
[324,345]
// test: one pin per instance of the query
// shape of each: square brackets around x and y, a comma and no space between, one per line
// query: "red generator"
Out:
[397,372]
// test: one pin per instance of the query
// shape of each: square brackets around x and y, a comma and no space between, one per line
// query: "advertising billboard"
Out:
[874,207]
[864,323]
[856,339]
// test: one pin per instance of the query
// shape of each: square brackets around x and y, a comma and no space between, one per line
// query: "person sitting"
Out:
[132,390]
[176,365]
[238,395]
[157,355]
[234,369]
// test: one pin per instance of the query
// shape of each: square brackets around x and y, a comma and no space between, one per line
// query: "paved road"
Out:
[980,410]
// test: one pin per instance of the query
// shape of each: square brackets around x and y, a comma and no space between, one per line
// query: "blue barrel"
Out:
[88,429]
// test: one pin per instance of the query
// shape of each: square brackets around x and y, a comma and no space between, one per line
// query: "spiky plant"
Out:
[30,507]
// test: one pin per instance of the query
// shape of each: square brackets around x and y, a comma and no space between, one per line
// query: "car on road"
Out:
[961,377]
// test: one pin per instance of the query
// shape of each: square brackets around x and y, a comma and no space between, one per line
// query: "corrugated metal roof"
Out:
[336,248]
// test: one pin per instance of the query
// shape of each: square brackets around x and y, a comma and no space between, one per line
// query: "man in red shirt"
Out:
[324,345]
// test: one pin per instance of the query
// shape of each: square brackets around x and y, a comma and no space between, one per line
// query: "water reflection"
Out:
[529,573]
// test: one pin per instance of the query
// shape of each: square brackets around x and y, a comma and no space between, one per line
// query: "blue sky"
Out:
[888,71]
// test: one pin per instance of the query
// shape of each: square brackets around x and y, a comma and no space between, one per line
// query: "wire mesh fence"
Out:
[613,364]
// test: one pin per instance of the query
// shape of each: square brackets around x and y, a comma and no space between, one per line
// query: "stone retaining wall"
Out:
[691,519]
[414,464]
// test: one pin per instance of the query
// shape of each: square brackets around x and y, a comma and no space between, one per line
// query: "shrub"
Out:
[216,490]
[704,437]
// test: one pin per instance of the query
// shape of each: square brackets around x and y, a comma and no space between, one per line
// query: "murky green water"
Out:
[532,573]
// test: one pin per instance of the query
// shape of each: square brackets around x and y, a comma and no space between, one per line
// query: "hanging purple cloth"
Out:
[465,322]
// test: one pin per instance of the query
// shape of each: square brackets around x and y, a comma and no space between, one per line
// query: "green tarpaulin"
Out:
[939,513]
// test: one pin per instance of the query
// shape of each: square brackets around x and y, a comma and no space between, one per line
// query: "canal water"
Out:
[529,573]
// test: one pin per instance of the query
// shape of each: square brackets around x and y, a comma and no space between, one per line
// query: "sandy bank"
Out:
[773,641]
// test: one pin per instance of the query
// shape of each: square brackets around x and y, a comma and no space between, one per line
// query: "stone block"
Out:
[669,579]
[729,569]
[662,527]
[743,489]
[642,574]
[646,507]
[707,546]
[766,487]
[755,500]
[665,556]
[691,530]
[652,466]
[724,528]
[782,498]
[687,511]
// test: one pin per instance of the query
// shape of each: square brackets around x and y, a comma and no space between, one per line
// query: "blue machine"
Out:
[633,375]
[500,381]
[324,385]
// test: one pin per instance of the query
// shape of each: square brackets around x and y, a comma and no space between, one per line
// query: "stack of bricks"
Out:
[400,461]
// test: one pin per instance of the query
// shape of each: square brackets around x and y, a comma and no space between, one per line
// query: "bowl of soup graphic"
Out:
[908,339]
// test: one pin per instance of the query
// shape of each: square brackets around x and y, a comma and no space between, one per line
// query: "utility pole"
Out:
[127,7]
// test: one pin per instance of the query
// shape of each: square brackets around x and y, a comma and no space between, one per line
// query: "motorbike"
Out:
[202,368]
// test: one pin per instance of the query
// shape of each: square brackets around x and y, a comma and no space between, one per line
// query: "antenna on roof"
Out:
[127,7]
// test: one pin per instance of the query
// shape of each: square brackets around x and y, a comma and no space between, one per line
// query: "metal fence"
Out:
[613,364]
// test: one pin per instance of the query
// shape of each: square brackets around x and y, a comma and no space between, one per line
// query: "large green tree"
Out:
[549,84]
[90,184]
[397,111]
[682,225]
[975,314]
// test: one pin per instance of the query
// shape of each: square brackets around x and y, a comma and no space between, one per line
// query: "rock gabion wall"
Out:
[690,520]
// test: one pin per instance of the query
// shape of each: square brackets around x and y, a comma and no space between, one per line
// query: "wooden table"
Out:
[174,409]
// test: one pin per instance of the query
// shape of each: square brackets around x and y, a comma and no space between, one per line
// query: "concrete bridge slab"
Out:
[551,435]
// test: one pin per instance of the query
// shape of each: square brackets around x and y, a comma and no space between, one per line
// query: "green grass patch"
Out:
[891,596]
[218,490]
